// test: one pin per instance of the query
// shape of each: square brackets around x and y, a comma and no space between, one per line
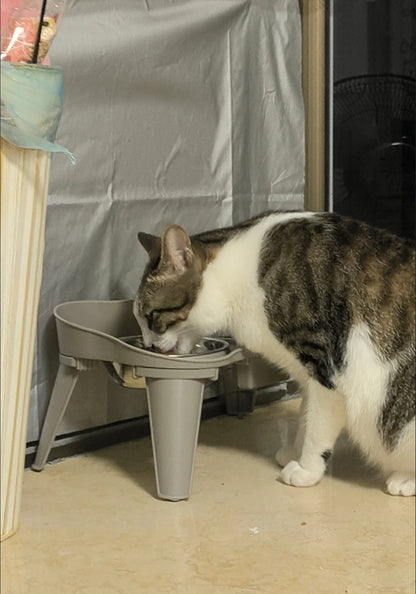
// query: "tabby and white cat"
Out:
[329,299]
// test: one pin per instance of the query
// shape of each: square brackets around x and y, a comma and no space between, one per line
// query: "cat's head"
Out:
[168,290]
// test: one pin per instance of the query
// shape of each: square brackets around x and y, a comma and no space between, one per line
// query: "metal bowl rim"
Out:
[223,345]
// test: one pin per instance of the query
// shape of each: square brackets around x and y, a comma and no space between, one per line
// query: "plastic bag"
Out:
[31,106]
[28,29]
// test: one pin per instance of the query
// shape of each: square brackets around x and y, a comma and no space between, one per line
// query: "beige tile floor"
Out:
[93,524]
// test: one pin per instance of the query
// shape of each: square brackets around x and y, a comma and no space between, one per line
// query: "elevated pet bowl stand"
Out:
[91,331]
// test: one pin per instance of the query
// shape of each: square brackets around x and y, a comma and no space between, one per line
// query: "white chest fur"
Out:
[231,300]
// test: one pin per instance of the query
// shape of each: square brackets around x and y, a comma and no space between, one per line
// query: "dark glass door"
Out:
[372,116]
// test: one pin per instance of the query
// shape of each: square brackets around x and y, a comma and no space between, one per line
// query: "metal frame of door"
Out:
[315,15]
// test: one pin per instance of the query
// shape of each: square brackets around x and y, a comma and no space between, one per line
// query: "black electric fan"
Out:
[374,153]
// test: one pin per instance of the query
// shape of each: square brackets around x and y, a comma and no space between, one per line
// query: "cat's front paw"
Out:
[284,455]
[294,474]
[401,483]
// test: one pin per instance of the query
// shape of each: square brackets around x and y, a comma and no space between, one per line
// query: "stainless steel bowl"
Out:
[207,346]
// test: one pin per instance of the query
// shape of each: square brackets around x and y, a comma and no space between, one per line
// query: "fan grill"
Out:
[385,96]
[374,151]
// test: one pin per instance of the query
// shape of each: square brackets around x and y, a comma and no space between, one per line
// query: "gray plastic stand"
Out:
[89,331]
[237,401]
[174,412]
[65,382]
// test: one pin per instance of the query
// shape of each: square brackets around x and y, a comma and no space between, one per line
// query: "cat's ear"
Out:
[176,249]
[152,245]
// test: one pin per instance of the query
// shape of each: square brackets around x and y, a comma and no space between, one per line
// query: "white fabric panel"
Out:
[187,112]
[24,192]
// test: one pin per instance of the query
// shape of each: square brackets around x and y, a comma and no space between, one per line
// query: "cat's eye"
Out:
[149,319]
[156,317]
[170,309]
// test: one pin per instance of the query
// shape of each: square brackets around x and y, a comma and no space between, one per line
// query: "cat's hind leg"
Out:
[401,483]
[324,418]
[400,465]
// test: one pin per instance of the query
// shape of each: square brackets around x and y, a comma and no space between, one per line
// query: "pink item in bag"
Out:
[20,27]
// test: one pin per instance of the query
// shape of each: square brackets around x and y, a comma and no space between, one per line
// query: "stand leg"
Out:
[64,385]
[237,401]
[175,414]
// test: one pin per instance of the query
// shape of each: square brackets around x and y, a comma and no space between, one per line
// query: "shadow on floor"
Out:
[259,434]
[134,462]
[348,465]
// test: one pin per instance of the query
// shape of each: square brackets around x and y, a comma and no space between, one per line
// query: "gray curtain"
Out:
[187,112]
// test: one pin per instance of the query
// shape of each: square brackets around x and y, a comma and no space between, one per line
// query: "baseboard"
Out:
[88,440]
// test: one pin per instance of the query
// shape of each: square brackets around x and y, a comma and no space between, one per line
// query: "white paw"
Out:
[401,483]
[294,474]
[284,455]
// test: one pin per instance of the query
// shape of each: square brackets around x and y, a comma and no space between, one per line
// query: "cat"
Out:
[328,298]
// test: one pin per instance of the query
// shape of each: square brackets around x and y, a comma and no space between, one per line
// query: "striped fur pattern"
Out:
[327,298]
